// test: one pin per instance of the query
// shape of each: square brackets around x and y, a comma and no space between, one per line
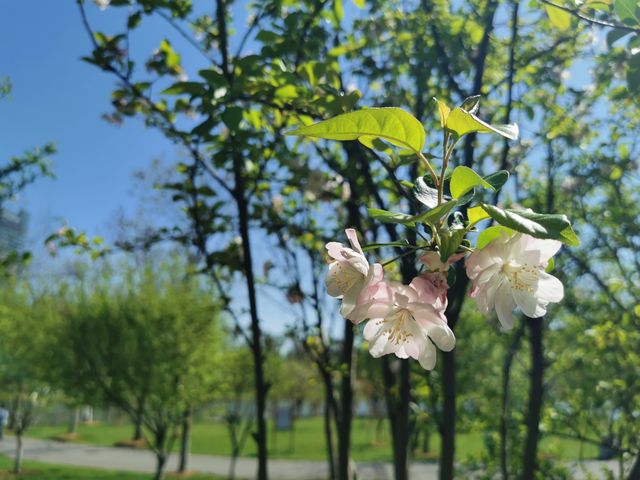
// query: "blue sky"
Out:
[57,97]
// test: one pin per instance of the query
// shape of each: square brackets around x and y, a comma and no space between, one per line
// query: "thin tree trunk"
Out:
[634,474]
[346,384]
[256,333]
[536,374]
[448,426]
[346,405]
[328,434]
[398,404]
[426,439]
[232,467]
[536,392]
[137,422]
[504,417]
[161,460]
[17,466]
[185,441]
[137,429]
[73,421]
[403,429]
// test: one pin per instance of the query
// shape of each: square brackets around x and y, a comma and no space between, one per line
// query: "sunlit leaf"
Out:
[492,233]
[462,122]
[464,179]
[626,10]
[444,111]
[425,194]
[392,124]
[476,214]
[550,265]
[558,17]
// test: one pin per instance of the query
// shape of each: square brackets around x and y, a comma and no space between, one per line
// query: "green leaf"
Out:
[550,266]
[360,3]
[490,234]
[497,179]
[615,34]
[558,17]
[462,122]
[476,214]
[205,127]
[391,217]
[338,10]
[392,124]
[471,104]
[134,20]
[444,112]
[191,88]
[538,225]
[432,217]
[286,91]
[450,242]
[464,179]
[425,194]
[232,116]
[626,10]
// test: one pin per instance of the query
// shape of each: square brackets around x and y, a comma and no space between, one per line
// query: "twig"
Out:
[186,36]
[577,13]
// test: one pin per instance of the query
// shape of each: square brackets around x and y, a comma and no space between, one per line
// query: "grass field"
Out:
[45,471]
[307,441]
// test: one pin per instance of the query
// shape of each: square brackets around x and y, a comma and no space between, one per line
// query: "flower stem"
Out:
[434,176]
[447,151]
[411,250]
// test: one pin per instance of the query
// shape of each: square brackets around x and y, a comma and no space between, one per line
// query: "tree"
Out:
[150,333]
[312,58]
[19,368]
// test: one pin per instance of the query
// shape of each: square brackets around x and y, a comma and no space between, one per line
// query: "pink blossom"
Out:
[351,277]
[407,320]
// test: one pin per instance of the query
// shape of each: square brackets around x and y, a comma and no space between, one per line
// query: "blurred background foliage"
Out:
[172,330]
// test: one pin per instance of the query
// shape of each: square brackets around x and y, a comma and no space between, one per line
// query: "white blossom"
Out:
[349,275]
[510,272]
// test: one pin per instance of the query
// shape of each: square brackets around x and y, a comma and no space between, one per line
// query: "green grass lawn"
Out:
[307,441]
[45,471]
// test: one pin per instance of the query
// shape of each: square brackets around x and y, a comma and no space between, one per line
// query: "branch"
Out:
[577,13]
[186,36]
[317,8]
[221,14]
[442,56]
[512,60]
[603,286]
[159,114]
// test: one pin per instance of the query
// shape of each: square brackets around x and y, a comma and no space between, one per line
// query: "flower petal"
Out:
[352,235]
[442,336]
[505,304]
[427,359]
[550,289]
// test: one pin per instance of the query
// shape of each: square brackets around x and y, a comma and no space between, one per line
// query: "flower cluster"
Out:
[409,320]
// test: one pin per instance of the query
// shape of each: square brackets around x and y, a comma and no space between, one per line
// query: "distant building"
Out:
[13,230]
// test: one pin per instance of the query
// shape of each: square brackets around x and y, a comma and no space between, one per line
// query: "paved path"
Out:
[144,461]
